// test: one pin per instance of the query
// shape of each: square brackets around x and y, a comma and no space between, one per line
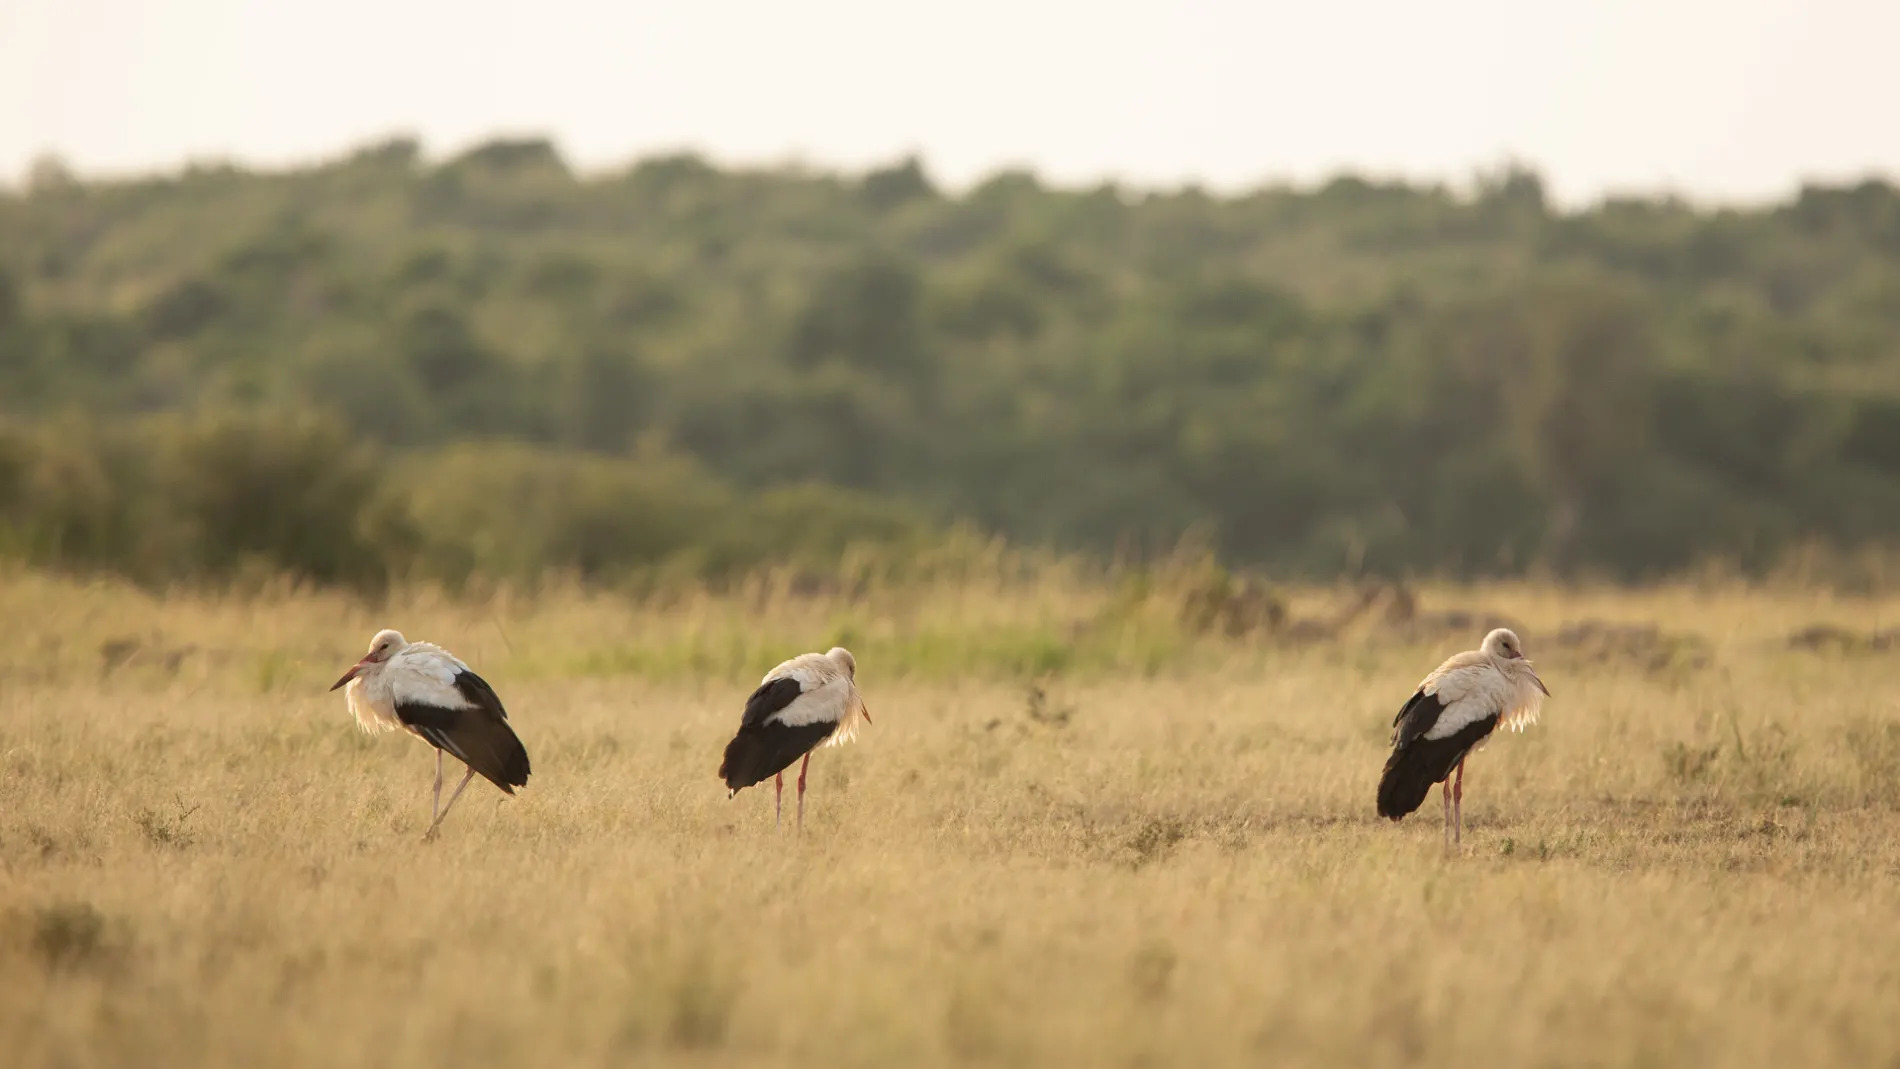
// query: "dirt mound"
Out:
[1642,645]
[1832,638]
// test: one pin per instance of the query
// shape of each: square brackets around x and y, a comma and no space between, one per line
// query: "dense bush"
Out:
[223,496]
[532,369]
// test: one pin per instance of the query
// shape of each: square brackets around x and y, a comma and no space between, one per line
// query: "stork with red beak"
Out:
[802,704]
[1453,711]
[427,691]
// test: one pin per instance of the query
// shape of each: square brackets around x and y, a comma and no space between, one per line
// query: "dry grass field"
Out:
[1079,832]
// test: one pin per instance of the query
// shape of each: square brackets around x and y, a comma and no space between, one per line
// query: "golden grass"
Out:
[1147,848]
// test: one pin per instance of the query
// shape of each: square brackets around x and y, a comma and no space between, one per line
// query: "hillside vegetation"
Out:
[391,359]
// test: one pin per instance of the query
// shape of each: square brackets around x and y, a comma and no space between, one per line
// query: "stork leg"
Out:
[801,792]
[1458,803]
[1446,795]
[778,798]
[435,807]
[437,823]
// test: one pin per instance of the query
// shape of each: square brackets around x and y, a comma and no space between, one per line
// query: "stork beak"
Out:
[866,710]
[355,670]
[1535,678]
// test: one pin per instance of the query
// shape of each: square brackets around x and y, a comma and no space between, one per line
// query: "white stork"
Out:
[1454,710]
[428,691]
[809,701]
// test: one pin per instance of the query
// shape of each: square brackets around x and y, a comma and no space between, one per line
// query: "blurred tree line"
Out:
[492,364]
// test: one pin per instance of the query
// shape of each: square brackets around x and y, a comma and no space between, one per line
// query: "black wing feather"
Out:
[477,692]
[477,735]
[1418,762]
[772,696]
[761,751]
[1416,717]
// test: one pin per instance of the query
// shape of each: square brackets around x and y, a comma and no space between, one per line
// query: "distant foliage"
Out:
[226,496]
[524,368]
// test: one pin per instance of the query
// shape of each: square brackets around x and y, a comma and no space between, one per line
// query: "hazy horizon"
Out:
[1716,103]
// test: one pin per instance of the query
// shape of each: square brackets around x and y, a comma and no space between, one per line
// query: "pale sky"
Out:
[1719,100]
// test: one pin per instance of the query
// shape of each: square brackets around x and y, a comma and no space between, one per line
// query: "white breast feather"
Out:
[809,679]
[375,713]
[425,676]
[853,716]
[1469,694]
[810,669]
[825,702]
[828,696]
[1527,699]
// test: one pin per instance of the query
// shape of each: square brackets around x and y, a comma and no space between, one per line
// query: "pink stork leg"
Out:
[1458,804]
[1446,795]
[801,793]
[437,823]
[435,807]
[778,798]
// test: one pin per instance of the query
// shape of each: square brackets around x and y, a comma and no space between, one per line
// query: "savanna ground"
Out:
[1091,825]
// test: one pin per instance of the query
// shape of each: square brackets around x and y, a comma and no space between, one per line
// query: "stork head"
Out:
[385,645]
[1503,643]
[843,659]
